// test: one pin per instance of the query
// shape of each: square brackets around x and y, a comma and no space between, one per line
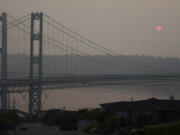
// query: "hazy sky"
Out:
[126,26]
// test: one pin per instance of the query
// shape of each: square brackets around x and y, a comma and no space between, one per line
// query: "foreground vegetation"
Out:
[108,123]
[163,129]
[7,121]
[105,123]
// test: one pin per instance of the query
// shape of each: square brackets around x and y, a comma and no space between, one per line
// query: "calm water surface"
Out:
[91,97]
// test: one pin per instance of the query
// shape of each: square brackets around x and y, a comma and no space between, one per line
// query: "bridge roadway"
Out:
[19,85]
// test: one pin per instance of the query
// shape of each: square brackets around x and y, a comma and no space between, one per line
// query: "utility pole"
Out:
[3,52]
[9,101]
[14,104]
[35,89]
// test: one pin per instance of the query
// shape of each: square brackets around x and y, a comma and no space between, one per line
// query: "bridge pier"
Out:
[3,51]
[35,90]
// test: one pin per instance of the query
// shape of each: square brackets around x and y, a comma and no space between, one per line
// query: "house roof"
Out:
[146,105]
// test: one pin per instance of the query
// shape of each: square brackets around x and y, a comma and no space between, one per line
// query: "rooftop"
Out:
[149,104]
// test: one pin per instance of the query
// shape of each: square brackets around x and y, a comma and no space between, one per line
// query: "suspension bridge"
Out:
[39,54]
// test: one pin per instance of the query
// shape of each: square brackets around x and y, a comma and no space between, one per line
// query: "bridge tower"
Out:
[36,42]
[3,52]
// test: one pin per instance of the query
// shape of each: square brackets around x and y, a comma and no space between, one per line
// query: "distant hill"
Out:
[104,64]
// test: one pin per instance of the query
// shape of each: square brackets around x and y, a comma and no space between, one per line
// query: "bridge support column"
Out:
[3,51]
[35,90]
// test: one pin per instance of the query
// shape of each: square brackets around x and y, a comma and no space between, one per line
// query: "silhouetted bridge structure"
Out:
[39,54]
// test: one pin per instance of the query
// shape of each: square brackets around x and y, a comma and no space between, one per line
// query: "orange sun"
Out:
[159,28]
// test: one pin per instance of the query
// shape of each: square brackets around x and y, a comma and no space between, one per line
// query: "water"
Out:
[91,97]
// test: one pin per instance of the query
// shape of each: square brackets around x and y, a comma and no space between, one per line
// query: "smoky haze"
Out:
[126,26]
[57,66]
